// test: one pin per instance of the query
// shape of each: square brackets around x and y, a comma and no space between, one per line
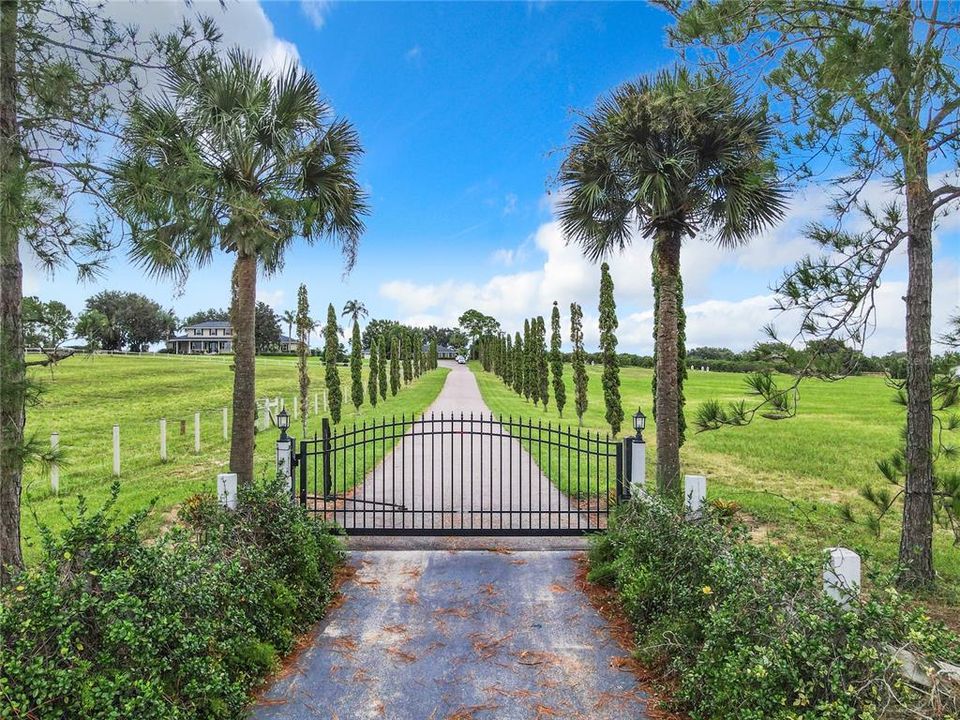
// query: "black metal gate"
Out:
[460,475]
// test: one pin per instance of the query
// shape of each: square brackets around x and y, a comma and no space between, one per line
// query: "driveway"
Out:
[458,468]
[434,635]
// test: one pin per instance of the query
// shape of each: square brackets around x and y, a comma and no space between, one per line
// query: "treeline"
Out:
[534,372]
[399,354]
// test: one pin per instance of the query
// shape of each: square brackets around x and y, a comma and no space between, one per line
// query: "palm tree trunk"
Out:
[12,370]
[916,539]
[242,317]
[666,257]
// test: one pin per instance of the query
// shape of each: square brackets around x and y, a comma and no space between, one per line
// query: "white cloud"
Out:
[316,11]
[566,276]
[243,24]
[413,54]
[510,204]
[274,298]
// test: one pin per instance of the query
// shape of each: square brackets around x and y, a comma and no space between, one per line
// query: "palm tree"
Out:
[289,317]
[355,309]
[673,156]
[236,159]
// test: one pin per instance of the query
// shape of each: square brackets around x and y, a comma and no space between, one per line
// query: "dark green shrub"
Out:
[109,626]
[748,633]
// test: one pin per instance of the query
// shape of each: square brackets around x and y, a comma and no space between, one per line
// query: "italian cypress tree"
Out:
[543,370]
[556,360]
[407,359]
[395,367]
[304,324]
[418,356]
[331,375]
[518,364]
[507,361]
[382,344]
[681,352]
[374,373]
[529,363]
[608,351]
[579,361]
[356,367]
[433,354]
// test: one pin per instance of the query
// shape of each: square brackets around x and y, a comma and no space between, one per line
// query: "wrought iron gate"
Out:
[460,475]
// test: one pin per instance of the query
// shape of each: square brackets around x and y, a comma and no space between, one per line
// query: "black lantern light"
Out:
[283,422]
[639,423]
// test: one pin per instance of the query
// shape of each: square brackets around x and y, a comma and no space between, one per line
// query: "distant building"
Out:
[215,336]
[444,352]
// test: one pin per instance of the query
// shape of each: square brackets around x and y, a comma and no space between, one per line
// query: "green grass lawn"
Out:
[789,475]
[84,396]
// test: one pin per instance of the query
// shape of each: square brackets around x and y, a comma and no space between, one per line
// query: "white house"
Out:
[211,336]
[214,336]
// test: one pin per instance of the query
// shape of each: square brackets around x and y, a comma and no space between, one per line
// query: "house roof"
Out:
[211,324]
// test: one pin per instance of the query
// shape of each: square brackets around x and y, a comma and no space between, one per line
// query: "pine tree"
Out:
[407,360]
[681,353]
[332,376]
[543,370]
[383,344]
[304,324]
[356,367]
[518,364]
[579,361]
[529,363]
[556,360]
[608,351]
[395,367]
[374,373]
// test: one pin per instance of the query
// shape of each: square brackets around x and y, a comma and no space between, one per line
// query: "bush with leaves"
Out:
[747,632]
[106,625]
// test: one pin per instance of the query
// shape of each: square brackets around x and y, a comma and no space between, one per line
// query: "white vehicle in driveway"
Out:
[461,360]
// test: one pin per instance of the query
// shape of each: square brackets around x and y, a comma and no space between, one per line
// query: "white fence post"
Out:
[326,402]
[841,576]
[196,432]
[116,450]
[225,435]
[227,490]
[638,466]
[296,407]
[316,404]
[695,494]
[54,467]
[163,439]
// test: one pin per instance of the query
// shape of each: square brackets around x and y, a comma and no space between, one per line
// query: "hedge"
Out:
[745,631]
[108,625]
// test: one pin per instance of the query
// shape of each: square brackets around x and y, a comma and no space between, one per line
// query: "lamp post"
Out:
[285,459]
[638,454]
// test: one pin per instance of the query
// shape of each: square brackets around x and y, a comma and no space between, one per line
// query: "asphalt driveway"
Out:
[459,635]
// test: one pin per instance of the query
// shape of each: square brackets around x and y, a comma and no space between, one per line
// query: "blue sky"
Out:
[463,109]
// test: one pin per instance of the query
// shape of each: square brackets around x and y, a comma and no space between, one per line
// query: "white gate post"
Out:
[638,466]
[163,439]
[841,575]
[695,495]
[196,432]
[225,424]
[116,450]
[284,460]
[54,467]
[227,490]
